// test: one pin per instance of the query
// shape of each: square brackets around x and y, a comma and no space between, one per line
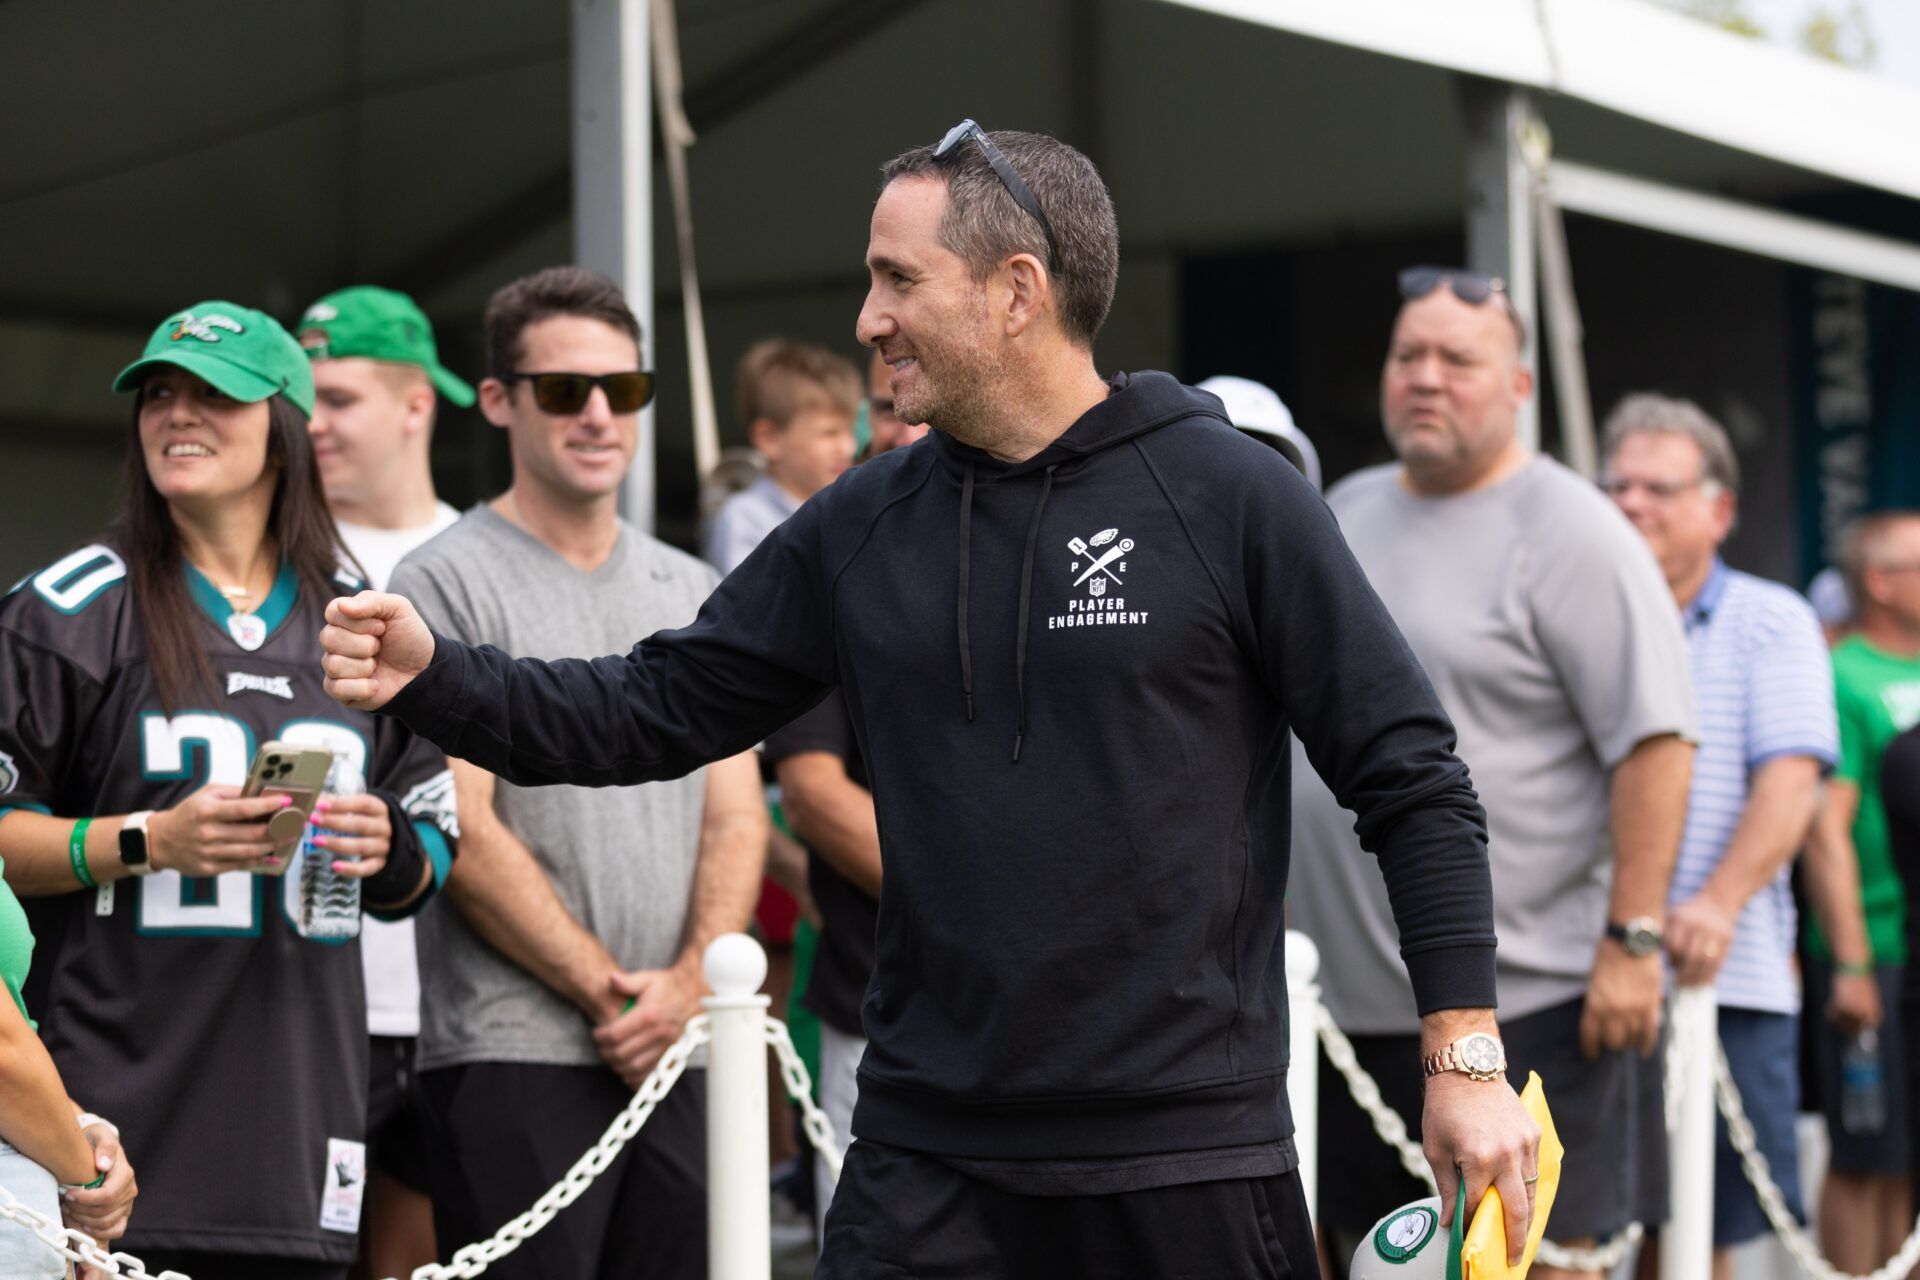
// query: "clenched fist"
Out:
[374,644]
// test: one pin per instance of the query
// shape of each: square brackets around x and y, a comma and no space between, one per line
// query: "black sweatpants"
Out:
[901,1216]
[500,1133]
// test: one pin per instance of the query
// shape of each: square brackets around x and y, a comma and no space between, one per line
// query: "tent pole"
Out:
[613,185]
[1499,204]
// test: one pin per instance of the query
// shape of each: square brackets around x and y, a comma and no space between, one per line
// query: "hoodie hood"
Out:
[1135,405]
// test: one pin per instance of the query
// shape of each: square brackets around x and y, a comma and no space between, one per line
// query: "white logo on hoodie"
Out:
[1098,564]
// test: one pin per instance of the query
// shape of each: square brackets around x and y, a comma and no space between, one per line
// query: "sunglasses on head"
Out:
[1471,287]
[566,393]
[1016,186]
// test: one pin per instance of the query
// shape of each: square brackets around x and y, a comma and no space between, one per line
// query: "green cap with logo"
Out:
[378,324]
[238,351]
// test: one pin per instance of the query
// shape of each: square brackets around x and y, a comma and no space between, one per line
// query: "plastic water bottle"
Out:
[1863,1085]
[329,901]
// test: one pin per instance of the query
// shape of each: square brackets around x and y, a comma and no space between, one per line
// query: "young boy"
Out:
[798,402]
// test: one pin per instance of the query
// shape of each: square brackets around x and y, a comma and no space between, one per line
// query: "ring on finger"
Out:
[1535,1178]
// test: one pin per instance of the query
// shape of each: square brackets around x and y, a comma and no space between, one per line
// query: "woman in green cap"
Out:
[137,677]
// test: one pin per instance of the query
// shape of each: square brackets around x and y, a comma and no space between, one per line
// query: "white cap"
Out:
[1829,596]
[1257,410]
[1407,1244]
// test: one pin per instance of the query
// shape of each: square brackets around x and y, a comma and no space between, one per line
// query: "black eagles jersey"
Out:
[230,1050]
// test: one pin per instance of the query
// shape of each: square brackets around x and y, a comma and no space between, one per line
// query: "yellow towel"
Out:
[1483,1253]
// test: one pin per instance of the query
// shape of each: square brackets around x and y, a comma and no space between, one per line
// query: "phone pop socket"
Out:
[285,826]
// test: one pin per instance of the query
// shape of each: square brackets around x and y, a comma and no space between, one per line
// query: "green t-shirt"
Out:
[16,945]
[1878,698]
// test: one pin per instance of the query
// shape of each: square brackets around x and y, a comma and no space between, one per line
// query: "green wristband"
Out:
[77,851]
[95,1185]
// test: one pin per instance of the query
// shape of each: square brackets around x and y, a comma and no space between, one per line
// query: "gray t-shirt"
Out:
[621,858]
[1548,631]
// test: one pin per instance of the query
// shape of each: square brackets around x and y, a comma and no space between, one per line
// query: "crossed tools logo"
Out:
[205,328]
[1103,567]
[1098,562]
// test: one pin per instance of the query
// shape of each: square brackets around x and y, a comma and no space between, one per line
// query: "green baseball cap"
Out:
[378,324]
[242,352]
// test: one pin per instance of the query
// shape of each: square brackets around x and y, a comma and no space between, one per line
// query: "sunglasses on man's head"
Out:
[1471,287]
[567,393]
[1016,186]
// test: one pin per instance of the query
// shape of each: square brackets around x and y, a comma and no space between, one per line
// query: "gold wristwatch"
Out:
[1481,1056]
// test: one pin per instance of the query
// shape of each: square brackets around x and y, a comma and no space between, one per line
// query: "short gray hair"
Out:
[1864,546]
[1648,413]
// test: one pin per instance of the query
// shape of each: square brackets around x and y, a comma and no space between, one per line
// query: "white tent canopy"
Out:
[1643,61]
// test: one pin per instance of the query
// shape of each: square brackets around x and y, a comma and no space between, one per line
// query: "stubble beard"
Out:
[960,399]
[1441,466]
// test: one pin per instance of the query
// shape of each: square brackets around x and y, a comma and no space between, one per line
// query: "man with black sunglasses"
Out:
[567,960]
[1550,636]
[1074,630]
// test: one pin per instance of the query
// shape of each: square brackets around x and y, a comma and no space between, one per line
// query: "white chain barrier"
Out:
[471,1260]
[1392,1130]
[743,977]
[474,1259]
[1793,1237]
[76,1246]
[1680,1064]
[800,1088]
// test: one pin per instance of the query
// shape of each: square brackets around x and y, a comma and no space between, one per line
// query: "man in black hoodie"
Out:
[1074,628]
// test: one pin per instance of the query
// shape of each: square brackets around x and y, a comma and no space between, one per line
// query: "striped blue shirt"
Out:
[1763,687]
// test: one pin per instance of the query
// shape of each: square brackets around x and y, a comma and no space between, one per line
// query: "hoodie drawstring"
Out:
[966,573]
[1026,597]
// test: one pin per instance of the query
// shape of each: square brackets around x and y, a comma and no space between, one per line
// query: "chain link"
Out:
[1392,1130]
[473,1259]
[1366,1094]
[800,1088]
[1800,1245]
[74,1245]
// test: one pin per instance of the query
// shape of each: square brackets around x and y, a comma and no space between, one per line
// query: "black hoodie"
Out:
[1074,679]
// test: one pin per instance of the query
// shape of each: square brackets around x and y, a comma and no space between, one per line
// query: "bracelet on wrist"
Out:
[1862,970]
[87,1120]
[77,854]
[98,1182]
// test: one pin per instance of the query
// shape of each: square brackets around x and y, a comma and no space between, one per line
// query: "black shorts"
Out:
[396,1145]
[1882,1151]
[1609,1113]
[898,1215]
[499,1134]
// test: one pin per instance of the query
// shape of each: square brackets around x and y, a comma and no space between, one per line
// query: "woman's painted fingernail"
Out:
[340,867]
[285,799]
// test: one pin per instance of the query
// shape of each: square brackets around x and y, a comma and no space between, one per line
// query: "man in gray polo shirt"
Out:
[1547,629]
[566,960]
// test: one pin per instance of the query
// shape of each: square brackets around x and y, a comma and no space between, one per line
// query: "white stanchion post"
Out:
[1303,1057]
[738,1213]
[1686,1241]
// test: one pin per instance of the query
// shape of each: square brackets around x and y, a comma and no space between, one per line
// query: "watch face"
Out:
[1642,940]
[1479,1054]
[133,846]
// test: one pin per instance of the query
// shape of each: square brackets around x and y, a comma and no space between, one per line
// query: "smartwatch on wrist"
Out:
[134,854]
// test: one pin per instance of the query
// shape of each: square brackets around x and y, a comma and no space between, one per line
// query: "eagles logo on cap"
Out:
[205,328]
